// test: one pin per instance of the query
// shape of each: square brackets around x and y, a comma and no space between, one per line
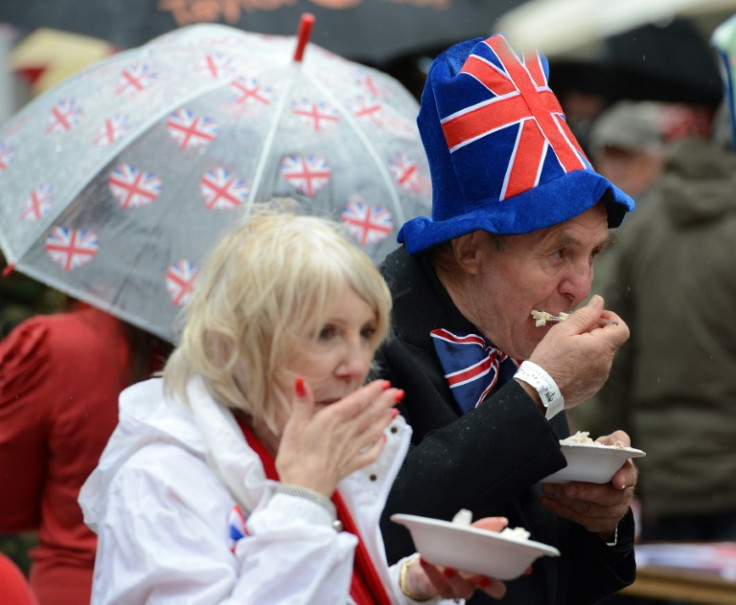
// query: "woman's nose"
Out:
[355,363]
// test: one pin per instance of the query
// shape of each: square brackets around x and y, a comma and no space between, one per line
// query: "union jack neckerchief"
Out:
[472,366]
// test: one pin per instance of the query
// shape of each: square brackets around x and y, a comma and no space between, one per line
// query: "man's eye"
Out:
[559,254]
[597,251]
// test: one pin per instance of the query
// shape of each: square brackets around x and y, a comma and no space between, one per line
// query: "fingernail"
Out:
[483,582]
[386,385]
[449,572]
[394,413]
[422,562]
[299,387]
[399,395]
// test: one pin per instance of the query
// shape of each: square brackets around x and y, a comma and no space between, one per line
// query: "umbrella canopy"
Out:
[116,183]
[370,31]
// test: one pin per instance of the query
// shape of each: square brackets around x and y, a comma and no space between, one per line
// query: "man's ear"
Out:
[467,251]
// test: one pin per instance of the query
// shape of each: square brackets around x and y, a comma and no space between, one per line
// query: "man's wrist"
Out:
[549,393]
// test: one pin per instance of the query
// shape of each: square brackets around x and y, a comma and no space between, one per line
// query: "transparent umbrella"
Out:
[116,183]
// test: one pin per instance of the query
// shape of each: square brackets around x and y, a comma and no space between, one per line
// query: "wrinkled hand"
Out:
[598,508]
[425,579]
[319,447]
[578,353]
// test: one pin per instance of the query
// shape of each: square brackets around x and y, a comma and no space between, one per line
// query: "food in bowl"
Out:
[583,438]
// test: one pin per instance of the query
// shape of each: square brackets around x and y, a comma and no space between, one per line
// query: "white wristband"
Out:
[539,380]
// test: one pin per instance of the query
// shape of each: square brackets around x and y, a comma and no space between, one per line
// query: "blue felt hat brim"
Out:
[529,211]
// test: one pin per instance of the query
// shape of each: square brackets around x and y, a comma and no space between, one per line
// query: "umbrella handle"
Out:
[305,31]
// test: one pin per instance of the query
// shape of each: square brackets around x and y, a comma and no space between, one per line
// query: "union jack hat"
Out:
[501,154]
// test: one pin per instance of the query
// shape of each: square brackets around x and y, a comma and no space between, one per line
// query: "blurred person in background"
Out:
[673,385]
[60,377]
[629,140]
[14,589]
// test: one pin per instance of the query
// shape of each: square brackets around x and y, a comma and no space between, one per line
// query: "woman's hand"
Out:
[424,580]
[321,446]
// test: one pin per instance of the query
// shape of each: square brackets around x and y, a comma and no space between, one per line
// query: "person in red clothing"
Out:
[60,377]
[14,589]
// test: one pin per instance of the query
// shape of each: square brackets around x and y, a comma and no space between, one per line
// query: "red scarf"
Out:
[365,586]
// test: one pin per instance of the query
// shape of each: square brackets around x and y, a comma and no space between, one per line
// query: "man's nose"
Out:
[578,281]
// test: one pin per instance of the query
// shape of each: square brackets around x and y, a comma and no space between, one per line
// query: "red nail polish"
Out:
[399,395]
[449,572]
[483,582]
[422,562]
[299,387]
[386,385]
[394,413]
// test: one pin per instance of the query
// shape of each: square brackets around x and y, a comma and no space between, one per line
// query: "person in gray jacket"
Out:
[673,386]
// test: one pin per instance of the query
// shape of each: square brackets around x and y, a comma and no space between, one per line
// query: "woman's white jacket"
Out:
[166,502]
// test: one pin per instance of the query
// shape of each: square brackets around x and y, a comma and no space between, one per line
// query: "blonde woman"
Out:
[256,470]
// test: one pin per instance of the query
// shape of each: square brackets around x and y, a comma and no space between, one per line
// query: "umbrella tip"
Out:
[9,269]
[305,31]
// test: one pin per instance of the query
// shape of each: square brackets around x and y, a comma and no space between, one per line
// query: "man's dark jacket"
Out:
[489,460]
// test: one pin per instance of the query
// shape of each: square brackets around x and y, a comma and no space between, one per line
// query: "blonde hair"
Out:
[271,279]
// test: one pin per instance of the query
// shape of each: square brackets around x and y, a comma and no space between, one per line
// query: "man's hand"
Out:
[578,352]
[598,508]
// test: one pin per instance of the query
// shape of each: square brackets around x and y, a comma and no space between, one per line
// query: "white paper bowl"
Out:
[592,463]
[472,550]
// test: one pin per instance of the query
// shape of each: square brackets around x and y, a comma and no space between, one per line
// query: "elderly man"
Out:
[518,218]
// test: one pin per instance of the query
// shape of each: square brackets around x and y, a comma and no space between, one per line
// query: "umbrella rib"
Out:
[270,136]
[382,170]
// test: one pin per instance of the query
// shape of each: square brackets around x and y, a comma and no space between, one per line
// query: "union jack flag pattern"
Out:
[405,172]
[38,203]
[112,130]
[320,116]
[364,80]
[250,91]
[216,65]
[71,248]
[7,154]
[63,116]
[238,527]
[307,174]
[472,366]
[180,281]
[221,190]
[132,187]
[367,108]
[135,79]
[506,110]
[190,130]
[367,224]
